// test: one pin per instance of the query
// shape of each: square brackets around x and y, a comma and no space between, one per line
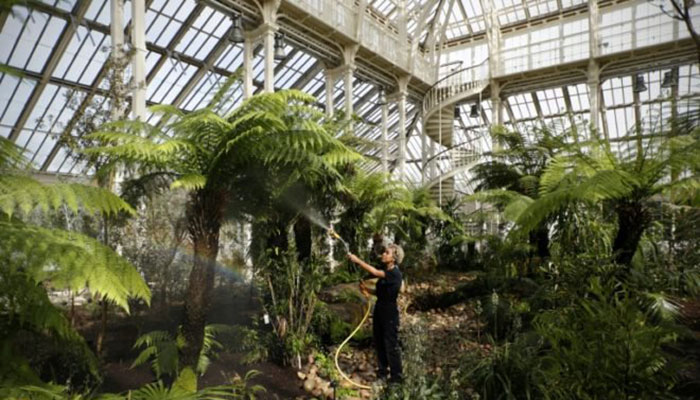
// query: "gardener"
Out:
[385,325]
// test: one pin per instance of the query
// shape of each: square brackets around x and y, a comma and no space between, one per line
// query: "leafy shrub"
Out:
[604,346]
[163,350]
[416,383]
[508,372]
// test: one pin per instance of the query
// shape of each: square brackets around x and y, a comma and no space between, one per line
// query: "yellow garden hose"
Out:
[337,352]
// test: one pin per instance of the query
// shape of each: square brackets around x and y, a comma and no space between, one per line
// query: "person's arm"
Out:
[376,272]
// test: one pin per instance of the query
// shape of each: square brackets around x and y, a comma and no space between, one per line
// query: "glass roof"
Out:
[458,19]
[62,49]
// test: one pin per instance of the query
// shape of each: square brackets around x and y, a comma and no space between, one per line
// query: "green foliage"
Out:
[592,174]
[416,383]
[163,351]
[507,372]
[230,165]
[291,295]
[604,346]
[255,343]
[68,260]
[39,258]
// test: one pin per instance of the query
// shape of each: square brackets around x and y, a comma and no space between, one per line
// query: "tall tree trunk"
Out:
[302,238]
[632,220]
[204,218]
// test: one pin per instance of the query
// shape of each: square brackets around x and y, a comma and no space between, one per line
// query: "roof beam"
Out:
[538,107]
[58,51]
[308,75]
[569,107]
[443,27]
[104,70]
[430,38]
[209,61]
[465,17]
[187,24]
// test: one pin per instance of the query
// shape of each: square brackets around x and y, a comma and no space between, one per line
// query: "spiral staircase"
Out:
[438,118]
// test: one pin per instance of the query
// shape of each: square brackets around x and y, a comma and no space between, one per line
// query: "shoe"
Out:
[396,380]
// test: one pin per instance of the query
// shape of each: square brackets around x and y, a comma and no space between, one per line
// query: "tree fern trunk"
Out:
[204,219]
[541,241]
[632,220]
[302,238]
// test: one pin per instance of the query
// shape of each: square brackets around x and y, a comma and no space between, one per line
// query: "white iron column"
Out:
[496,111]
[248,45]
[117,35]
[493,35]
[269,28]
[433,161]
[138,41]
[348,77]
[424,155]
[348,70]
[116,28]
[269,40]
[385,137]
[330,85]
[401,103]
[593,68]
[402,135]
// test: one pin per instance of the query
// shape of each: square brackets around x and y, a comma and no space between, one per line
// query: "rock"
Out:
[301,375]
[316,392]
[309,385]
[313,370]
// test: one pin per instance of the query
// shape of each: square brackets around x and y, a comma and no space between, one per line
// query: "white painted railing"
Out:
[452,160]
[376,36]
[459,84]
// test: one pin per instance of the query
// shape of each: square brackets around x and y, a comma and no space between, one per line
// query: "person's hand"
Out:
[354,258]
[364,289]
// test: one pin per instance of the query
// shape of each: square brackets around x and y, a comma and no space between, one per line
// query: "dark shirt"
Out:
[388,287]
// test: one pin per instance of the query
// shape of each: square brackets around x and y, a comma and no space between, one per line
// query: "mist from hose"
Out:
[317,219]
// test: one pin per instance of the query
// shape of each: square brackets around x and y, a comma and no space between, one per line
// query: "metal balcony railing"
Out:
[458,84]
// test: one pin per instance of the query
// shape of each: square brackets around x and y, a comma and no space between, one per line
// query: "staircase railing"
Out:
[470,79]
[448,161]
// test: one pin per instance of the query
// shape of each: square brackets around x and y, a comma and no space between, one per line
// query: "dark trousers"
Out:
[385,327]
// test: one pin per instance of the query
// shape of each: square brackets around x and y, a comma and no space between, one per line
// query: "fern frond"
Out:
[189,182]
[71,261]
[10,155]
[26,194]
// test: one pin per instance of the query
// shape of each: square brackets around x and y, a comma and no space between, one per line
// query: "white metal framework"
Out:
[541,62]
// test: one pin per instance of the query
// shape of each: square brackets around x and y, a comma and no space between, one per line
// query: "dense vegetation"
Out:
[580,293]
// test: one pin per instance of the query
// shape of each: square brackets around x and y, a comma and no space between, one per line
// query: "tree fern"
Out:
[36,258]
[272,140]
[590,173]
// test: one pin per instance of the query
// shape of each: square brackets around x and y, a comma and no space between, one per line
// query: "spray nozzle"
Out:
[335,235]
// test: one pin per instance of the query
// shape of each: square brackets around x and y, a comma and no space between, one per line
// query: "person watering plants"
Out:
[385,321]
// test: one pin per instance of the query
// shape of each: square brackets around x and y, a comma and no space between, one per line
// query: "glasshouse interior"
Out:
[349,199]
